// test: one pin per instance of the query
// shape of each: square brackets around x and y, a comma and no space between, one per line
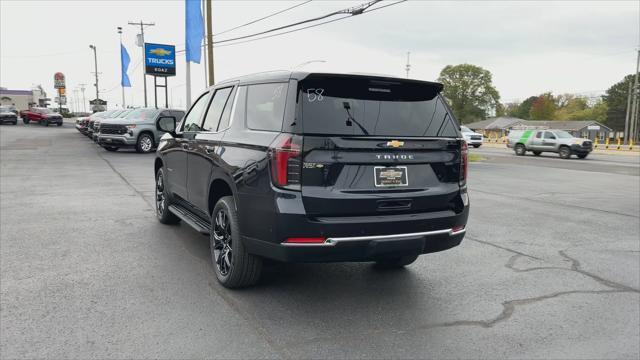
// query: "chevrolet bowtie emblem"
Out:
[395,143]
[160,52]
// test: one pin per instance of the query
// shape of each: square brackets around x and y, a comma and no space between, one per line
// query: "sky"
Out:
[530,47]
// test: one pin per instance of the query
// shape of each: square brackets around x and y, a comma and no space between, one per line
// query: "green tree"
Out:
[570,106]
[511,109]
[523,109]
[616,99]
[469,90]
[543,108]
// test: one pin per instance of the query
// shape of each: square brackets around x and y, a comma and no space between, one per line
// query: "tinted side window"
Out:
[226,114]
[539,135]
[194,118]
[265,106]
[549,135]
[215,109]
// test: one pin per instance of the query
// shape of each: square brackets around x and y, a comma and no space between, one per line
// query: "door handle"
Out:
[209,149]
[185,146]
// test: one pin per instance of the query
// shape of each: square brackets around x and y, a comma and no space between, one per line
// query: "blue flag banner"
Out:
[194,30]
[124,60]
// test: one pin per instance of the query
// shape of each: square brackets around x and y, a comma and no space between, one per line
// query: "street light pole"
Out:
[95,59]
[84,101]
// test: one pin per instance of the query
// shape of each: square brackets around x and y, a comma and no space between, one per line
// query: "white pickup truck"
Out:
[557,141]
[472,138]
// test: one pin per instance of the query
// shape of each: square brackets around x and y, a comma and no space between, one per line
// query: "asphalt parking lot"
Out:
[550,268]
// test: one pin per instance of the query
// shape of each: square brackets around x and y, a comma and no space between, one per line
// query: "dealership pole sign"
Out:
[159,59]
[58,80]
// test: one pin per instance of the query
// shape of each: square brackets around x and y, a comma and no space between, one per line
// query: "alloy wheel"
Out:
[160,197]
[222,252]
[145,143]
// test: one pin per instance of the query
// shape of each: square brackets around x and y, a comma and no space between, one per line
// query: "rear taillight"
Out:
[286,161]
[464,152]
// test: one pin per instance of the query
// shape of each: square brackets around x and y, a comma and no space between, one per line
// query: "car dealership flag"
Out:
[125,60]
[194,30]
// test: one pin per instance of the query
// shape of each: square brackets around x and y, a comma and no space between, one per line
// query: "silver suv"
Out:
[557,141]
[139,129]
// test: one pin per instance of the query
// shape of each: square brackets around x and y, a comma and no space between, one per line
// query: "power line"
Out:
[356,12]
[309,26]
[352,11]
[263,18]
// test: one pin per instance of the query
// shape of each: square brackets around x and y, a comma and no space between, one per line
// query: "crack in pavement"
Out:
[511,196]
[152,206]
[508,307]
[500,247]
[575,267]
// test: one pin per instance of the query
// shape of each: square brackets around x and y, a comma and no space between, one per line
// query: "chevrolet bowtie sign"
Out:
[159,60]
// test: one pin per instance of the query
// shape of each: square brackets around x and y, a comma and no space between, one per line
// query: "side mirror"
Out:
[167,124]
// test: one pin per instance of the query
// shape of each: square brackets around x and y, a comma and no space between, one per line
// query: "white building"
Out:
[24,99]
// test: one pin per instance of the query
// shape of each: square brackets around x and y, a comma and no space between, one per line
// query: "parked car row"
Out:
[129,128]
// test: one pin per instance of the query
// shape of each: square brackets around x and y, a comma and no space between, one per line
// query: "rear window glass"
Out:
[370,107]
[142,114]
[265,106]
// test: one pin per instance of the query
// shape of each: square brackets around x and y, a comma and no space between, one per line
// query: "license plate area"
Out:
[390,176]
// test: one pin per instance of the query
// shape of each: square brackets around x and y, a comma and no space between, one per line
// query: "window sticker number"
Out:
[315,94]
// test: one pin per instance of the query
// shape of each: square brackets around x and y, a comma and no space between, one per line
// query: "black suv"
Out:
[315,167]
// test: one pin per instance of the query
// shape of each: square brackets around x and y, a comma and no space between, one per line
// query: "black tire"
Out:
[520,150]
[233,265]
[582,156]
[564,152]
[111,148]
[476,145]
[537,153]
[25,121]
[162,201]
[396,262]
[15,122]
[59,124]
[145,143]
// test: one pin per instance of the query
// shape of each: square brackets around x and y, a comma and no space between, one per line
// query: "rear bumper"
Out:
[359,238]
[369,248]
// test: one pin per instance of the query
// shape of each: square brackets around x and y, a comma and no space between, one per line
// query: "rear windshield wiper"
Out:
[351,119]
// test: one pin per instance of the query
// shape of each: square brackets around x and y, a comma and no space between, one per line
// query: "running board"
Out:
[191,219]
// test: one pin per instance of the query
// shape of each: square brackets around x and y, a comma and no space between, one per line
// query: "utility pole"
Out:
[210,43]
[84,102]
[634,108]
[95,58]
[408,67]
[76,101]
[627,118]
[144,76]
[120,32]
